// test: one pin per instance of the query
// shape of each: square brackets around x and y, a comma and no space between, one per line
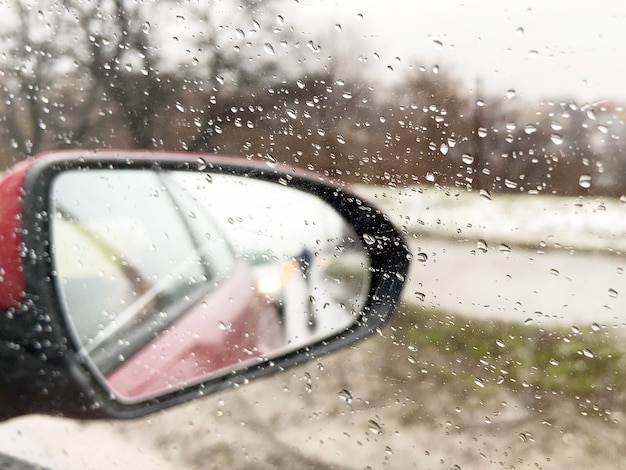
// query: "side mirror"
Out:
[132,282]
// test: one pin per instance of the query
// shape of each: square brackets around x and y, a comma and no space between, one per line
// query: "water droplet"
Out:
[269,49]
[519,31]
[554,272]
[528,321]
[485,195]
[420,296]
[510,94]
[481,246]
[292,113]
[557,139]
[411,359]
[444,149]
[467,159]
[510,184]
[533,53]
[180,107]
[613,293]
[584,181]
[504,248]
[500,343]
[595,327]
[526,437]
[421,257]
[146,27]
[530,129]
[554,362]
[556,126]
[369,239]
[480,382]
[341,139]
[587,353]
[347,95]
[374,427]
[338,28]
[437,44]
[602,128]
[240,34]
[270,160]
[482,132]
[201,163]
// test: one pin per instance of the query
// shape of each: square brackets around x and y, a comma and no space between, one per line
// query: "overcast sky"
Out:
[541,49]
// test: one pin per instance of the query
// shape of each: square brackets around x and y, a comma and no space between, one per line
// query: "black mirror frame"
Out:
[71,388]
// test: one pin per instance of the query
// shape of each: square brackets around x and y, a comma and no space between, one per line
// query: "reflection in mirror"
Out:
[171,278]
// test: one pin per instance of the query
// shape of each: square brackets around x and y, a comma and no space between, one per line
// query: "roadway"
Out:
[518,285]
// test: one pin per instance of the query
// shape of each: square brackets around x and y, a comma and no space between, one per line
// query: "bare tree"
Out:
[129,74]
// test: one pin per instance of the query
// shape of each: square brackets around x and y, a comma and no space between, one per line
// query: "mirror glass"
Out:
[170,278]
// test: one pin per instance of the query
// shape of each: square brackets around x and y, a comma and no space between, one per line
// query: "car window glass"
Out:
[492,133]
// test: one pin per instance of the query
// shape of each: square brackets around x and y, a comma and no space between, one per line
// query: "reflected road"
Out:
[556,286]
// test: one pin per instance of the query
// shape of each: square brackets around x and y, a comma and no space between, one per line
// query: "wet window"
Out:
[494,136]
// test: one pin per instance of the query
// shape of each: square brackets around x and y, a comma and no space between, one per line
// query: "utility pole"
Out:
[477,140]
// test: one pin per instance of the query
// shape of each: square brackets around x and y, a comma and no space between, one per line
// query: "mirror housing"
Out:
[43,364]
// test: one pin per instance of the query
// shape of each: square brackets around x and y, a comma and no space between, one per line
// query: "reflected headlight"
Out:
[269,285]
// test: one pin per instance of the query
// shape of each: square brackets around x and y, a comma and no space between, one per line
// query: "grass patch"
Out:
[487,355]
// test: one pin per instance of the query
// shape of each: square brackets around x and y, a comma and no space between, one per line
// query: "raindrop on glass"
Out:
[602,128]
[346,396]
[556,139]
[504,248]
[530,129]
[369,239]
[584,181]
[485,195]
[374,427]
[588,353]
[467,159]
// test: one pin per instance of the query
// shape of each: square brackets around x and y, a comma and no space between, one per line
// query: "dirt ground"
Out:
[372,406]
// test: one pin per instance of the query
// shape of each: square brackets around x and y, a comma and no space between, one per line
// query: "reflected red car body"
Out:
[229,326]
